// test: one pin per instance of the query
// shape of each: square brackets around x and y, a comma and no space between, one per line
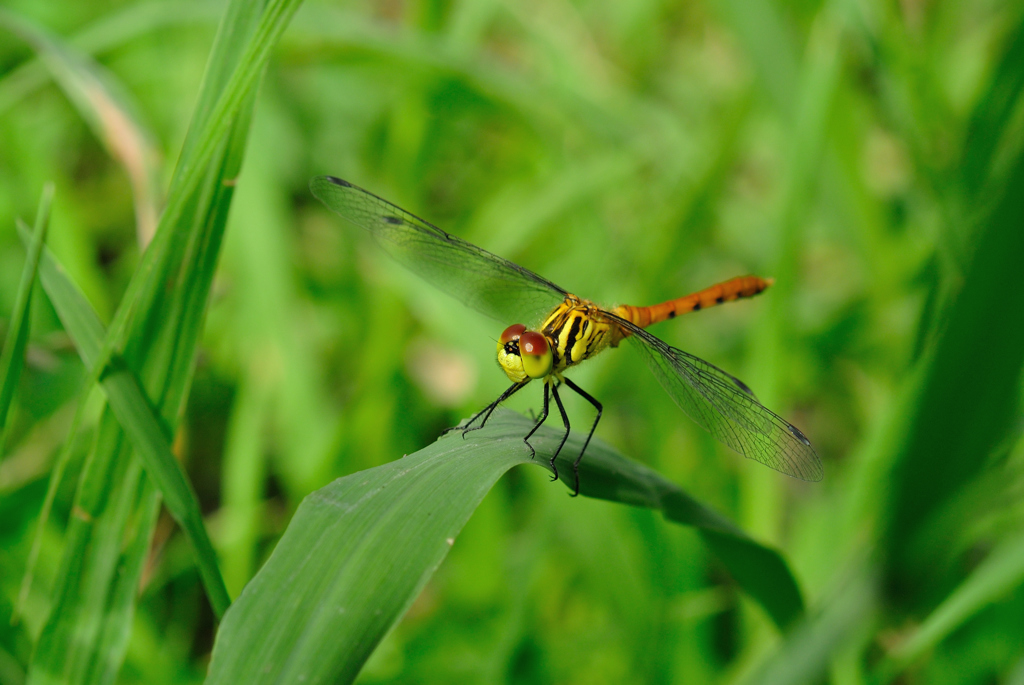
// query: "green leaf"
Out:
[808,649]
[13,357]
[145,360]
[138,419]
[993,126]
[134,22]
[969,396]
[1000,573]
[108,109]
[358,551]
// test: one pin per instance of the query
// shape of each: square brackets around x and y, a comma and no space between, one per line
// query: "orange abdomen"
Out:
[727,291]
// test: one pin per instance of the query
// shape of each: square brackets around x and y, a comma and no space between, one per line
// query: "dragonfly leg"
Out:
[540,421]
[494,405]
[486,411]
[565,420]
[469,423]
[597,405]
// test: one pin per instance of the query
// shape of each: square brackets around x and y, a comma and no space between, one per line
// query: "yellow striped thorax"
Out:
[573,332]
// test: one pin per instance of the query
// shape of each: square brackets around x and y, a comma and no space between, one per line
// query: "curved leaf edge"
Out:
[359,551]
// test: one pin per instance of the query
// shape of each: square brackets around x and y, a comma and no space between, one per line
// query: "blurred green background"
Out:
[865,154]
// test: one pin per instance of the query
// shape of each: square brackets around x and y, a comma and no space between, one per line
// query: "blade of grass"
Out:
[157,326]
[970,393]
[216,132]
[999,574]
[771,360]
[110,32]
[56,476]
[991,120]
[245,472]
[537,100]
[358,551]
[805,654]
[13,357]
[803,92]
[104,504]
[109,111]
[139,420]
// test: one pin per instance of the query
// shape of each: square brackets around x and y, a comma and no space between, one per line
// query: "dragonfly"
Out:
[567,330]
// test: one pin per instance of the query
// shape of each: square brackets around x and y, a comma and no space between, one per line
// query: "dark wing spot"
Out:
[798,435]
[338,181]
[392,219]
[744,387]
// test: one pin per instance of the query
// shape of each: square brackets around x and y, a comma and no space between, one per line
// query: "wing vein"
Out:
[483,281]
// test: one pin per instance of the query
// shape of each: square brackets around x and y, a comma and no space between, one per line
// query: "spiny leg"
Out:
[565,420]
[540,421]
[476,416]
[486,411]
[597,405]
[504,396]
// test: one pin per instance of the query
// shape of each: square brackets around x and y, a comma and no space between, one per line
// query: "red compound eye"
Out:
[512,332]
[533,343]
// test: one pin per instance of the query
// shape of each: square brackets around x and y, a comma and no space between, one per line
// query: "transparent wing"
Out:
[494,286]
[725,407]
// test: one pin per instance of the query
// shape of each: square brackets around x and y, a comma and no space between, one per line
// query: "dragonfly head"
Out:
[524,354]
